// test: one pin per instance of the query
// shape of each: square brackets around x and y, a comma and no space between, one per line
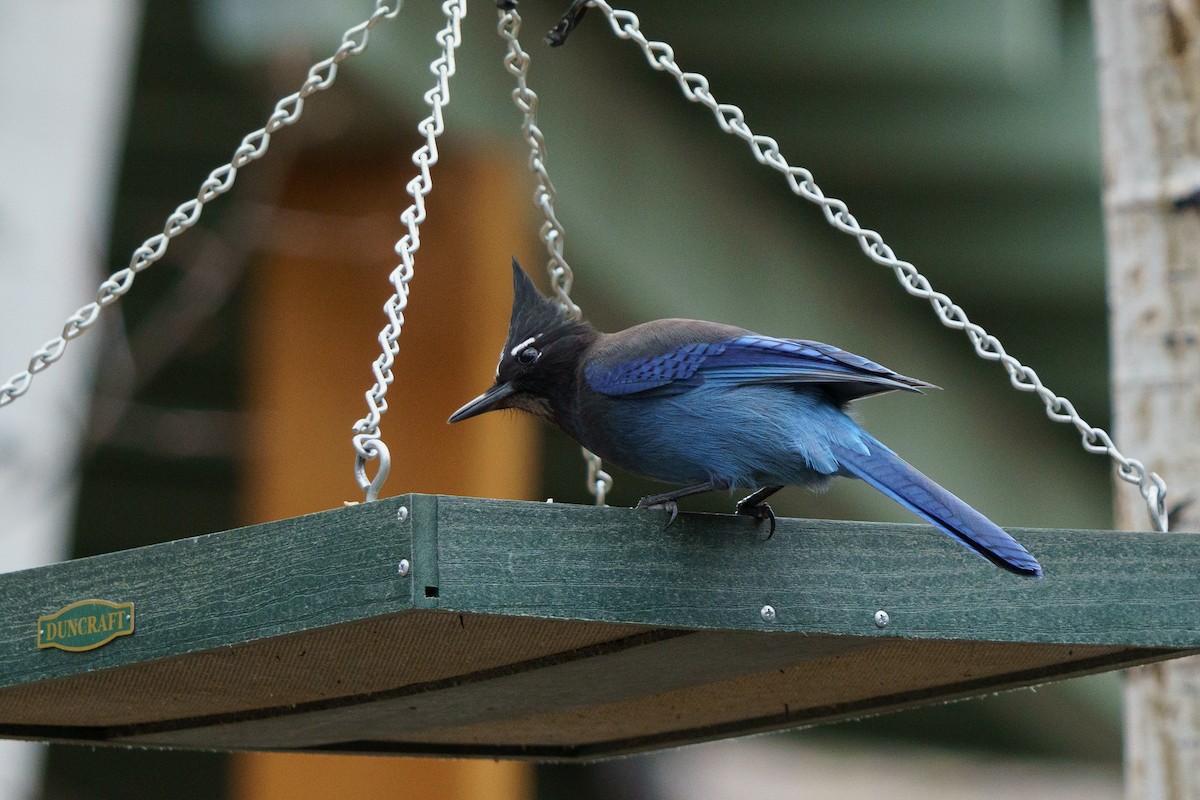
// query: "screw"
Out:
[882,619]
[405,566]
[767,613]
[402,513]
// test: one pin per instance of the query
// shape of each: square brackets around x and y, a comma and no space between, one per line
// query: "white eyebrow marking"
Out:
[522,346]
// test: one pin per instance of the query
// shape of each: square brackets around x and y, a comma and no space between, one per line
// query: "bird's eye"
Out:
[528,355]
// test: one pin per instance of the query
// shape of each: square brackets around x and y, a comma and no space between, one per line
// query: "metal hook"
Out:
[377,450]
[1154,490]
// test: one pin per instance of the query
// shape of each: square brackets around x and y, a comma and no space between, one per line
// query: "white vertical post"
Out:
[64,81]
[1149,60]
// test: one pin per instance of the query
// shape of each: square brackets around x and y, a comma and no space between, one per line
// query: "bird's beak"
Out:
[488,401]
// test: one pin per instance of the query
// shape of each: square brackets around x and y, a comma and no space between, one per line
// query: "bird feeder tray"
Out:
[469,627]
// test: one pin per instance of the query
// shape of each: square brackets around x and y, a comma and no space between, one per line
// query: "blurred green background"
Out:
[966,133]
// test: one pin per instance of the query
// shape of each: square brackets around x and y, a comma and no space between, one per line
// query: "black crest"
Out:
[533,313]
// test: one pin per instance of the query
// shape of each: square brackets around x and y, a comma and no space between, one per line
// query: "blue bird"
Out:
[716,407]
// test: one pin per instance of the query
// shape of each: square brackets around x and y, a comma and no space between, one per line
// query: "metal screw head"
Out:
[405,566]
[402,513]
[767,613]
[882,619]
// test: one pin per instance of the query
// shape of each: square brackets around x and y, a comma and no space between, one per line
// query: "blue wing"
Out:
[748,359]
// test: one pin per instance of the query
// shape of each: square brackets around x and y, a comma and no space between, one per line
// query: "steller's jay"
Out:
[717,407]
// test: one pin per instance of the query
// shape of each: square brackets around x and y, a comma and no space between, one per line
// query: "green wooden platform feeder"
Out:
[462,626]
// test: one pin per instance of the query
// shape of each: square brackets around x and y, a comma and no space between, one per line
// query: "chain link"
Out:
[368,445]
[730,118]
[516,62]
[320,76]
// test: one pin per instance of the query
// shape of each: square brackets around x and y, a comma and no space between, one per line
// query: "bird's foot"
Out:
[758,511]
[661,505]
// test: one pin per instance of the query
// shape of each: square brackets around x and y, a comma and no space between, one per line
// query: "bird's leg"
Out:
[752,505]
[666,500]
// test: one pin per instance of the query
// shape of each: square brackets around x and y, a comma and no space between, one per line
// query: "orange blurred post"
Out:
[315,312]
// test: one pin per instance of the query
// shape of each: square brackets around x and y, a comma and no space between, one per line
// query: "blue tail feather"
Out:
[896,478]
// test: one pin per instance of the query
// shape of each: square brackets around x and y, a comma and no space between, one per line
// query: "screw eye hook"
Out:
[376,449]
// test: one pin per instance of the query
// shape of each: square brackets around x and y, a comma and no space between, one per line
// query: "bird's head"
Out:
[540,358]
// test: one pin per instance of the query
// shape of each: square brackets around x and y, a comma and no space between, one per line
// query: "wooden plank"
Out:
[552,631]
[216,590]
[820,576]
[612,565]
[297,776]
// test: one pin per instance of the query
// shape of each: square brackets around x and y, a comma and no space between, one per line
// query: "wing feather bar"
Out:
[762,359]
[751,359]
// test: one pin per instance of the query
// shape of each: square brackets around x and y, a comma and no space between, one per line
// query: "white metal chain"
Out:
[367,442]
[516,62]
[730,118]
[320,76]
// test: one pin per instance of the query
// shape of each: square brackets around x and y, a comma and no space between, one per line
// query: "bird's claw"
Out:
[759,511]
[662,505]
